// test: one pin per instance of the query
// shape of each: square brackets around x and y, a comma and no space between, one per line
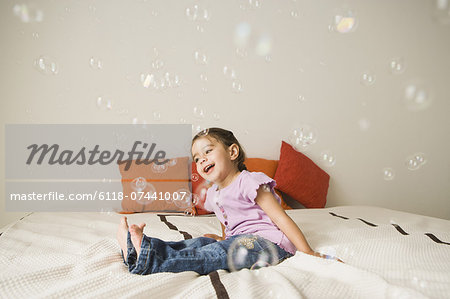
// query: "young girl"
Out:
[243,201]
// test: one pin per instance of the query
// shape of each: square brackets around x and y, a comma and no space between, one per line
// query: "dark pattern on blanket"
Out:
[397,227]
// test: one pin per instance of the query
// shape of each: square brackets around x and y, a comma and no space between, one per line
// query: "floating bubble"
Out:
[442,11]
[95,63]
[46,65]
[157,64]
[157,115]
[139,184]
[159,168]
[397,65]
[364,124]
[203,132]
[416,97]
[367,78]
[183,198]
[197,13]
[250,4]
[242,34]
[216,116]
[28,13]
[328,158]
[301,98]
[104,104]
[303,136]
[200,29]
[264,45]
[236,86]
[344,21]
[172,162]
[416,161]
[203,78]
[200,58]
[197,128]
[199,112]
[294,14]
[229,72]
[388,174]
[251,252]
[268,58]
[241,52]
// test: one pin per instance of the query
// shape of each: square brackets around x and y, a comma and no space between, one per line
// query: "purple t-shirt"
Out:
[236,208]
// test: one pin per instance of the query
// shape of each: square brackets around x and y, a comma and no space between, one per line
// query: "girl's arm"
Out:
[269,204]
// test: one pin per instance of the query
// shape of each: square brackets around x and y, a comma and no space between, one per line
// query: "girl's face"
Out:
[213,160]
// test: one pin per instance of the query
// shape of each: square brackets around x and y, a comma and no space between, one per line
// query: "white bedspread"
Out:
[387,254]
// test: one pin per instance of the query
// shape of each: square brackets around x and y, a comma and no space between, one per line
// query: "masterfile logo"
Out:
[61,167]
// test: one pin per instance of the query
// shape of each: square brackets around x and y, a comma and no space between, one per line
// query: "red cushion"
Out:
[199,188]
[300,178]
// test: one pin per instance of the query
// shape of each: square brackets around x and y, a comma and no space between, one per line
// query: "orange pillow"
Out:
[300,178]
[159,185]
[268,167]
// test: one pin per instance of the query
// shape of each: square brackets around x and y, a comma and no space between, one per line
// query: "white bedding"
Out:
[386,255]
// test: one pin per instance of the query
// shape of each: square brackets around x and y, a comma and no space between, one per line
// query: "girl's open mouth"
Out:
[208,168]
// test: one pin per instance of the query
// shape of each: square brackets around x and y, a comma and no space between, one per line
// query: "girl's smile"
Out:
[214,161]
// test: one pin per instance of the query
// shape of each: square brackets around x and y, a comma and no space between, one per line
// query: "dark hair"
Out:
[226,138]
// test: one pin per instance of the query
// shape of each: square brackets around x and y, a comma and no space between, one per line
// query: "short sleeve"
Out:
[254,180]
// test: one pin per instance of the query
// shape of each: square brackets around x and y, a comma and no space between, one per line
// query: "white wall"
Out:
[289,53]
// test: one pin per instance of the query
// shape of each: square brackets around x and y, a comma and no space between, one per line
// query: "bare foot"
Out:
[122,234]
[136,233]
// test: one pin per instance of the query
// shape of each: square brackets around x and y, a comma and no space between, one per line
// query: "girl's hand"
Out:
[324,256]
[213,236]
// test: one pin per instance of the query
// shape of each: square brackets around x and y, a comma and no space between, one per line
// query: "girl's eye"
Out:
[208,151]
[196,160]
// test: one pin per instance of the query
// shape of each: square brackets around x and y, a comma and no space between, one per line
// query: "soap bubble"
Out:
[139,184]
[229,72]
[301,98]
[157,115]
[364,124]
[344,21]
[46,65]
[159,168]
[197,13]
[200,58]
[203,132]
[157,64]
[199,112]
[28,13]
[95,63]
[397,65]
[104,104]
[236,86]
[367,78]
[442,11]
[184,199]
[328,158]
[251,252]
[242,34]
[416,97]
[388,173]
[250,4]
[303,136]
[264,45]
[415,161]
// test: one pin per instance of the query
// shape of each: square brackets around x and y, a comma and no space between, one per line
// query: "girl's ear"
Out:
[234,151]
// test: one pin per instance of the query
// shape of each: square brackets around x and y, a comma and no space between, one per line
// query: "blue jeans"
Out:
[202,255]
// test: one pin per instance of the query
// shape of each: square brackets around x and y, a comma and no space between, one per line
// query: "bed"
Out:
[387,254]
